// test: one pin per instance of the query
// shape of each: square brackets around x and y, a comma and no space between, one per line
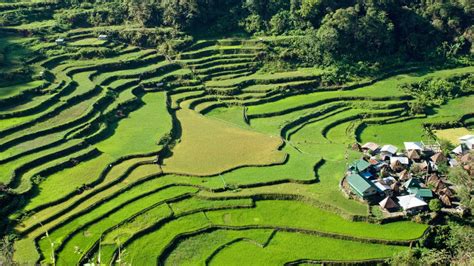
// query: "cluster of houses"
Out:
[406,181]
[62,41]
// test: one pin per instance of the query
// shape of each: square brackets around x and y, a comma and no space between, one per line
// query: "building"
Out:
[412,183]
[383,188]
[389,204]
[102,37]
[359,166]
[461,149]
[404,175]
[414,155]
[399,163]
[388,150]
[467,140]
[60,41]
[370,147]
[361,186]
[411,204]
[421,193]
[418,146]
[438,158]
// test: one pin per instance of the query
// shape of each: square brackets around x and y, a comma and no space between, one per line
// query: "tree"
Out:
[408,257]
[461,244]
[435,205]
[145,12]
[352,34]
[280,22]
[180,13]
[465,185]
[376,32]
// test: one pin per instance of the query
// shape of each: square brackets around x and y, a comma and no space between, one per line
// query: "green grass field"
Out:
[208,147]
[199,158]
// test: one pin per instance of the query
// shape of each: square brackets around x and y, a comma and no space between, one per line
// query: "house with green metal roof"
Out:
[359,166]
[421,193]
[412,183]
[361,186]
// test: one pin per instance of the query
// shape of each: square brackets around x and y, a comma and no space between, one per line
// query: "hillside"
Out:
[144,139]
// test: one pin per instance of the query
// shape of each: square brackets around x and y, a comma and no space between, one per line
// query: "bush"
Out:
[431,92]
[435,205]
[100,52]
[280,22]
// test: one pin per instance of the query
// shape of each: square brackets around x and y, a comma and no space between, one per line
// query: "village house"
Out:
[414,155]
[361,186]
[60,41]
[382,188]
[461,149]
[411,204]
[359,166]
[438,158]
[389,204]
[417,146]
[399,164]
[102,37]
[370,148]
[467,140]
[388,151]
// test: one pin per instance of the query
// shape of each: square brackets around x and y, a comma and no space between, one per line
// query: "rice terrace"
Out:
[236,132]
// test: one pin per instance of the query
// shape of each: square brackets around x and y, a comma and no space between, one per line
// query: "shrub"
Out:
[431,92]
[435,205]
[280,22]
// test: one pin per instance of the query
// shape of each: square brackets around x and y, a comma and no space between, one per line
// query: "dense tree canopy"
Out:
[333,32]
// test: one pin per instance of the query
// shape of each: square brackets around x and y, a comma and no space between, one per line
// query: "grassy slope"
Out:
[286,247]
[306,216]
[211,145]
[137,134]
[208,147]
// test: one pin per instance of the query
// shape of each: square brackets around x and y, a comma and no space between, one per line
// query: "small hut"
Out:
[432,179]
[388,150]
[397,164]
[60,41]
[461,149]
[439,186]
[404,175]
[424,166]
[395,187]
[370,147]
[418,146]
[413,155]
[448,192]
[446,200]
[102,37]
[438,158]
[389,204]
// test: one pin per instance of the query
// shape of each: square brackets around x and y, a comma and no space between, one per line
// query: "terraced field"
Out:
[198,158]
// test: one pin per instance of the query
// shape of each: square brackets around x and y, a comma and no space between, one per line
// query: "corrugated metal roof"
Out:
[359,183]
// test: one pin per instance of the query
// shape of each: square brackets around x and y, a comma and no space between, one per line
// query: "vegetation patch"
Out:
[209,147]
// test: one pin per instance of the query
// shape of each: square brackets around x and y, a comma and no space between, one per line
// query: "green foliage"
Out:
[84,16]
[96,52]
[280,22]
[465,185]
[431,92]
[346,33]
[435,205]
[449,244]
